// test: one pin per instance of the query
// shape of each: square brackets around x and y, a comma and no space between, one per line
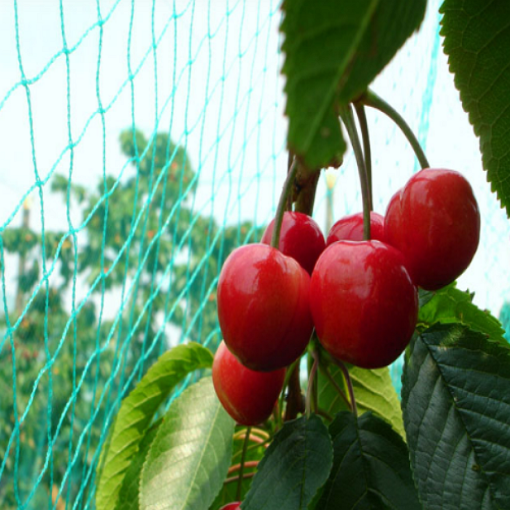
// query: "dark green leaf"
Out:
[334,49]
[476,39]
[370,468]
[137,412]
[373,390]
[189,458]
[129,494]
[295,466]
[456,401]
[451,305]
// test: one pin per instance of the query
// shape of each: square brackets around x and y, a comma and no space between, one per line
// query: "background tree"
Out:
[142,244]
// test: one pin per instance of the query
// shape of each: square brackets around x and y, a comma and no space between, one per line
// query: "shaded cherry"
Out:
[364,304]
[263,307]
[248,396]
[300,238]
[435,222]
[350,228]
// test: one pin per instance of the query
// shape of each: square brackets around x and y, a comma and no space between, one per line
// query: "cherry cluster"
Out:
[360,295]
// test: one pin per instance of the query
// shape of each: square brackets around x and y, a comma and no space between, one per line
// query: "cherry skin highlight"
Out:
[363,301]
[300,238]
[263,307]
[350,228]
[435,222]
[246,395]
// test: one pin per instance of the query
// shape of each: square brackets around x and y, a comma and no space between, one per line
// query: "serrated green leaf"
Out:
[333,50]
[189,459]
[130,490]
[456,401]
[370,468]
[295,465]
[451,305]
[373,390]
[476,40]
[136,414]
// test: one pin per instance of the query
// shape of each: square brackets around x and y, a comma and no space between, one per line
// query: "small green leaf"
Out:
[476,39]
[373,390]
[189,458]
[451,305]
[334,49]
[136,414]
[456,401]
[296,464]
[370,468]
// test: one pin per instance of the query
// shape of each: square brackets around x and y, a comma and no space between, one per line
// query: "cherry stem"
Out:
[275,240]
[241,467]
[237,477]
[290,160]
[311,381]
[348,381]
[371,99]
[333,383]
[348,120]
[264,444]
[363,124]
[237,467]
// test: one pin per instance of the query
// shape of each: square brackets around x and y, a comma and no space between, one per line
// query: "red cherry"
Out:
[232,506]
[350,228]
[364,304]
[263,307]
[300,238]
[435,222]
[248,396]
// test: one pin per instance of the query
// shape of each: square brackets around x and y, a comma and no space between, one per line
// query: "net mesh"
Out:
[141,143]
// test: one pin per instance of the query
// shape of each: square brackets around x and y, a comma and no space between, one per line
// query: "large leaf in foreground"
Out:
[451,305]
[476,39]
[373,390]
[189,458]
[137,412]
[295,466]
[370,469]
[456,401]
[334,49]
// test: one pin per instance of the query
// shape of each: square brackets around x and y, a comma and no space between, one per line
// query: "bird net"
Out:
[141,142]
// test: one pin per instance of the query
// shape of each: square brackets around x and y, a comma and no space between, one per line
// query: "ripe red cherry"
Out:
[232,506]
[248,396]
[364,304]
[434,221]
[263,307]
[350,228]
[300,238]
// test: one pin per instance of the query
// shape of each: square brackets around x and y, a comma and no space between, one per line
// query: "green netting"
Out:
[141,142]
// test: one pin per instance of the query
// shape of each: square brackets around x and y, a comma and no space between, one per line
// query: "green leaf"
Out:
[334,49]
[451,305]
[373,390]
[296,464]
[189,458]
[476,39]
[456,401]
[136,414]
[370,468]
[130,490]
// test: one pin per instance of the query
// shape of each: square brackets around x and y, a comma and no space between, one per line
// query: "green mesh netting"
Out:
[140,143]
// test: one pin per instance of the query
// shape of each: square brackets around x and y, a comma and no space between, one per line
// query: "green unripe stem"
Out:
[241,468]
[348,381]
[311,382]
[371,99]
[287,187]
[363,124]
[348,120]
